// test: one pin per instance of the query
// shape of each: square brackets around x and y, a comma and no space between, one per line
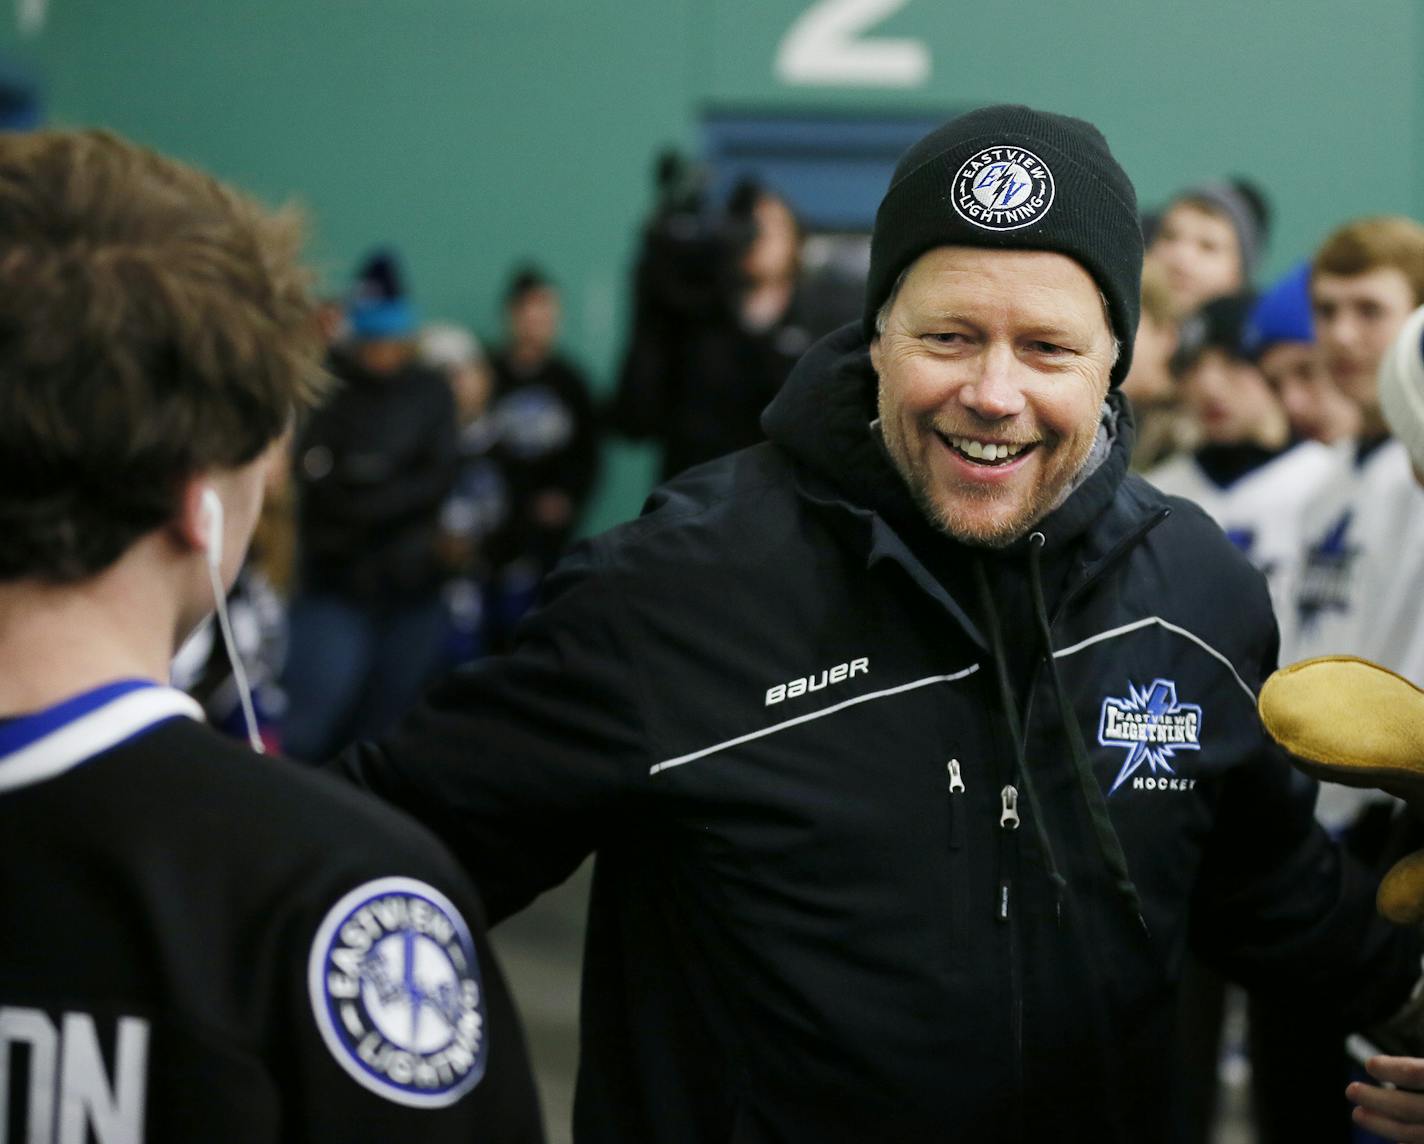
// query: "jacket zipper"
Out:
[956,815]
[1008,860]
[1008,822]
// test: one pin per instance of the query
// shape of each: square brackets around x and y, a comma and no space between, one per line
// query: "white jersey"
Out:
[1361,589]
[1263,512]
[1361,584]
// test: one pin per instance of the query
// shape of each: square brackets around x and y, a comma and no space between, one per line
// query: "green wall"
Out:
[474,133]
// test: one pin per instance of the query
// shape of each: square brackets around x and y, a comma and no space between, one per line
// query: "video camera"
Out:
[690,264]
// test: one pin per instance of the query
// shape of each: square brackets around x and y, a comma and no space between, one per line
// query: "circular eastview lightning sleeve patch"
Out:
[395,988]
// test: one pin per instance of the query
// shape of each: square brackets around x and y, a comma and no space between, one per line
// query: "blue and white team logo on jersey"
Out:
[395,988]
[1002,188]
[534,422]
[1152,726]
[1326,579]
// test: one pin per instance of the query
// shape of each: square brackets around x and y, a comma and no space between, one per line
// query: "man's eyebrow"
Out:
[1058,332]
[1046,328]
[939,314]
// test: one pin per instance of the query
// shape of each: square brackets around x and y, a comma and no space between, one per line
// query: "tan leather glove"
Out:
[1349,721]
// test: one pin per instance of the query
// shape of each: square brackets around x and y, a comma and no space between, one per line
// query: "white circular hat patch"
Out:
[395,989]
[1003,188]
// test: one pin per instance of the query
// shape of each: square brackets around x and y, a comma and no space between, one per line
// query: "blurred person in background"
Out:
[716,327]
[1398,1114]
[1364,553]
[373,466]
[1249,473]
[1255,481]
[1281,337]
[1357,594]
[1401,390]
[1209,241]
[478,504]
[1162,427]
[546,442]
[199,944]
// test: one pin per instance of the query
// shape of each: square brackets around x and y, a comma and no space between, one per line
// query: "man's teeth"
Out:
[982,452]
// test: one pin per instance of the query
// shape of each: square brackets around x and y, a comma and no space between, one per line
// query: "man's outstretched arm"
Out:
[523,763]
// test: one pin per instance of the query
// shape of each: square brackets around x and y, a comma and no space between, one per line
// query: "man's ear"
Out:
[191,524]
[875,354]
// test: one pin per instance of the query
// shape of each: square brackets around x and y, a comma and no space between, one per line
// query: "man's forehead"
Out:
[1376,281]
[1028,268]
[1044,284]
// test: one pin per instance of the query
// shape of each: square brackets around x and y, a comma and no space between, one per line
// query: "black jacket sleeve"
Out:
[523,763]
[1282,908]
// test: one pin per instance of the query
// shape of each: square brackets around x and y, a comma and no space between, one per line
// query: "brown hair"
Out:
[154,323]
[1382,242]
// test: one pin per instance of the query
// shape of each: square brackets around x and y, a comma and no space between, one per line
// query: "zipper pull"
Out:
[1009,817]
[956,787]
[1008,820]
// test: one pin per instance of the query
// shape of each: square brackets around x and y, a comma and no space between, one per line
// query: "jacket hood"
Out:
[822,417]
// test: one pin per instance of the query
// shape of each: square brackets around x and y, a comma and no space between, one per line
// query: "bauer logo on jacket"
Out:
[1152,726]
[1003,188]
[795,688]
[396,991]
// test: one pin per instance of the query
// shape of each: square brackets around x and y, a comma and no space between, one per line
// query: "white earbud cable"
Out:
[244,693]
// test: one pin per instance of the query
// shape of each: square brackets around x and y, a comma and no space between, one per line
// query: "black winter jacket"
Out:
[774,706]
[374,464]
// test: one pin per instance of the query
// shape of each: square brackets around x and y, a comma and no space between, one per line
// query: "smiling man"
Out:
[984,453]
[916,742]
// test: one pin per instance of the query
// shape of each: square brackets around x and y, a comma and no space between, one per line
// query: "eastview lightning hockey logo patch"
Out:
[395,988]
[1002,188]
[1152,726]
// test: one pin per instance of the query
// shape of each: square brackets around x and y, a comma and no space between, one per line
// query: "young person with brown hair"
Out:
[1365,539]
[199,944]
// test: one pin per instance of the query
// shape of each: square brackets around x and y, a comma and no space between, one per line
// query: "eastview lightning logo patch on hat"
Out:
[1003,188]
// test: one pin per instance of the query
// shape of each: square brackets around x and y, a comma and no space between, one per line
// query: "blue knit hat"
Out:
[1281,314]
[379,306]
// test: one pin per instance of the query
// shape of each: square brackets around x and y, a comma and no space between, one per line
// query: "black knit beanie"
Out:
[1013,178]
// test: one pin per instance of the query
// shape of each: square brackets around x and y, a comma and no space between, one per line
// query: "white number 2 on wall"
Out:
[826,46]
[30,16]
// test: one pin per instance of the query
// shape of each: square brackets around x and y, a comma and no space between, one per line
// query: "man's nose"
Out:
[995,393]
[1340,330]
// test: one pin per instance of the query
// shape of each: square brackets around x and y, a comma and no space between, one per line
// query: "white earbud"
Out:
[213,535]
[213,526]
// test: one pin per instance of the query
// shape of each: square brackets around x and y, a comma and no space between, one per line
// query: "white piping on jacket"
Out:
[668,764]
[1171,627]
